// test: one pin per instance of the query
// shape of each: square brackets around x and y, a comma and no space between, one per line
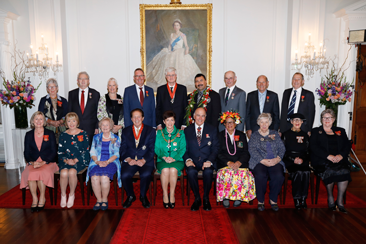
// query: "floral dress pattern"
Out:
[102,113]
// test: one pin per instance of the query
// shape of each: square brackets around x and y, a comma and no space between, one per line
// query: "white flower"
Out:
[237,122]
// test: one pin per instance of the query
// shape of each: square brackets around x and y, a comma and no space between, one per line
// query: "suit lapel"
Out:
[256,101]
[142,138]
[301,102]
[232,95]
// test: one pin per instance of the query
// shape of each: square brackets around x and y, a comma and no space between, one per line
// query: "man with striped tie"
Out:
[297,100]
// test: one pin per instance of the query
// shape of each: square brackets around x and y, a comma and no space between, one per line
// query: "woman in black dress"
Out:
[329,147]
[297,160]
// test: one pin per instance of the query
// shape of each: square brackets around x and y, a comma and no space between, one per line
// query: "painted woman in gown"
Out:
[177,56]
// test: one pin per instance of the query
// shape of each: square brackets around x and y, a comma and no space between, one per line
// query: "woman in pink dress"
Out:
[40,151]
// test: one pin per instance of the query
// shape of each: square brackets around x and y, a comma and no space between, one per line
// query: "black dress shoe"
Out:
[129,201]
[34,209]
[332,207]
[41,208]
[196,205]
[303,203]
[145,202]
[341,208]
[206,205]
[297,204]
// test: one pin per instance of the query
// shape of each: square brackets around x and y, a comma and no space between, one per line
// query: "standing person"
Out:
[73,156]
[262,101]
[232,98]
[54,107]
[203,97]
[139,96]
[202,148]
[84,102]
[40,151]
[171,97]
[111,106]
[137,154]
[297,100]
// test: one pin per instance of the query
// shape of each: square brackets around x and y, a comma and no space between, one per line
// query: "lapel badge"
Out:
[209,143]
[147,93]
[320,132]
[175,144]
[175,149]
[143,147]
[208,99]
[302,98]
[262,139]
[90,95]
[267,99]
[207,136]
[232,95]
[240,144]
[120,101]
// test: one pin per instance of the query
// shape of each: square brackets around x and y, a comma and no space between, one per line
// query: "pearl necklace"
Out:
[227,146]
[107,137]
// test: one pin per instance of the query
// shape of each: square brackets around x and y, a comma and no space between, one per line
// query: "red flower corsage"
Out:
[338,133]
[178,135]
[236,138]
[59,103]
[80,138]
[46,137]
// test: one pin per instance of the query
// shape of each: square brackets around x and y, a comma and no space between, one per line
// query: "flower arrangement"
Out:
[230,114]
[202,104]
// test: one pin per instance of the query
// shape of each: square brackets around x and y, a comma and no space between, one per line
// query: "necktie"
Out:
[291,108]
[141,97]
[227,96]
[261,102]
[199,135]
[171,88]
[200,94]
[82,102]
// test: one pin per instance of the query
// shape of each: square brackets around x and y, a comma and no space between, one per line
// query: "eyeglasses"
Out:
[52,87]
[170,75]
[230,123]
[297,120]
[327,118]
[139,76]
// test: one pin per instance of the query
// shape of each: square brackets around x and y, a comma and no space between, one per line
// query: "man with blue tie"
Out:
[137,154]
[139,96]
[202,148]
[297,100]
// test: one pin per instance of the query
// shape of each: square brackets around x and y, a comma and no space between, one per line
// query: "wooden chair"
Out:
[137,176]
[200,176]
[89,190]
[311,186]
[81,177]
[180,178]
[24,192]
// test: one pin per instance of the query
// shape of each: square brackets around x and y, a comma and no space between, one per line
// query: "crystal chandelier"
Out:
[37,65]
[310,60]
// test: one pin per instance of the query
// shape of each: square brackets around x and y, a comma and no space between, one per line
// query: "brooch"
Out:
[272,136]
[209,143]
[240,144]
[80,138]
[143,147]
[236,138]
[46,137]
[175,144]
[320,132]
[232,95]
[207,136]
[175,149]
[147,93]
[338,133]
[59,103]
[208,100]
[302,98]
[120,101]
[262,139]
[90,95]
[267,99]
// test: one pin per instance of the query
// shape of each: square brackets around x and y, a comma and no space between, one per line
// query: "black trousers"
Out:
[129,171]
[192,173]
[300,184]
[261,175]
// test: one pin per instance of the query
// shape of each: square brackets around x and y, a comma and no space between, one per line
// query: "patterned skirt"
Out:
[235,185]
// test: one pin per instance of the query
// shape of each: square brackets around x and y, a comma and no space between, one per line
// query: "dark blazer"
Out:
[48,150]
[163,103]
[213,108]
[209,145]
[88,120]
[132,101]
[236,102]
[306,108]
[61,110]
[242,153]
[271,105]
[144,150]
[319,145]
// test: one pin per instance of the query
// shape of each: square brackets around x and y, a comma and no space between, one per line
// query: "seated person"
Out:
[104,162]
[40,151]
[234,180]
[137,154]
[170,146]
[297,159]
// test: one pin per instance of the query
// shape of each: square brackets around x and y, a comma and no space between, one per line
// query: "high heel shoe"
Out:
[341,208]
[63,201]
[166,205]
[332,207]
[41,208]
[171,204]
[70,202]
[34,209]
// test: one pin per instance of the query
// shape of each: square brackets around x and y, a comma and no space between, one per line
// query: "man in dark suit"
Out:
[171,97]
[297,100]
[202,148]
[262,101]
[204,97]
[137,154]
[139,96]
[232,98]
[84,102]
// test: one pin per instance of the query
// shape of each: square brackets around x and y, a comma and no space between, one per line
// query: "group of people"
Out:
[203,133]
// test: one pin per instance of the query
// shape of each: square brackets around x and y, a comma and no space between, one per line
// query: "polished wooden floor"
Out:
[251,226]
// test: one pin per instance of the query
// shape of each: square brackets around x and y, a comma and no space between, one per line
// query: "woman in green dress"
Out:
[170,146]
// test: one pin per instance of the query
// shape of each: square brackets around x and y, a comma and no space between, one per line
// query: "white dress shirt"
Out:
[86,93]
[262,99]
[138,91]
[231,91]
[298,98]
[231,137]
[196,126]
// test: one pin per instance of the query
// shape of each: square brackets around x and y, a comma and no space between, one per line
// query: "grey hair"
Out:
[327,111]
[51,80]
[34,115]
[111,122]
[112,79]
[170,69]
[231,72]
[83,73]
[265,116]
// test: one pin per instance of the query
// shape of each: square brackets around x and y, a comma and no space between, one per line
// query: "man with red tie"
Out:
[84,102]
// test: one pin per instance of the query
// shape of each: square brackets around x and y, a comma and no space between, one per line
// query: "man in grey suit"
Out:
[232,98]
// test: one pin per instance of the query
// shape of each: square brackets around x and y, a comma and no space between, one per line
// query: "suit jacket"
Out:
[61,110]
[236,102]
[213,108]
[271,106]
[132,101]
[319,150]
[163,103]
[242,153]
[48,150]
[144,150]
[208,149]
[306,108]
[88,119]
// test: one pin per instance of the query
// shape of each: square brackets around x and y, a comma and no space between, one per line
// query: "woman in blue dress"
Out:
[73,156]
[104,163]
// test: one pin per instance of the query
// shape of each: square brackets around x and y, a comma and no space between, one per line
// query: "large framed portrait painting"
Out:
[178,36]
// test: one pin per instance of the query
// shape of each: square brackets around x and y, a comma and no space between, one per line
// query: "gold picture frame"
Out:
[167,32]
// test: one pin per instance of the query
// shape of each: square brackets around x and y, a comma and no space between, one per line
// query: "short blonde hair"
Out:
[265,116]
[111,123]
[70,116]
[34,115]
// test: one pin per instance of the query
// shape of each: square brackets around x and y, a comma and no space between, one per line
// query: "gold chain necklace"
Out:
[169,141]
